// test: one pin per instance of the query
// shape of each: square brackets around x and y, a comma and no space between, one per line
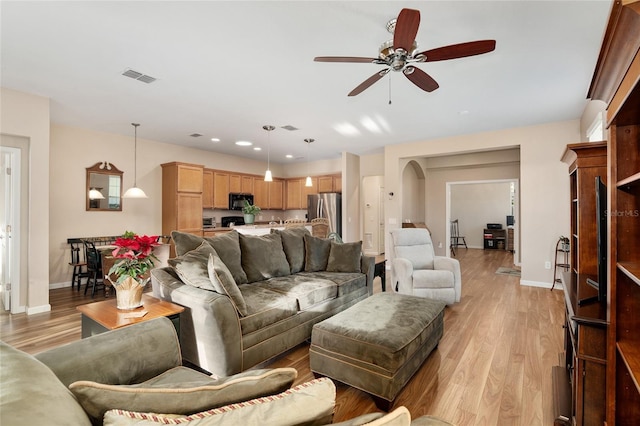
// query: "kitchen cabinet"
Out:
[247,184]
[325,184]
[307,190]
[235,184]
[337,183]
[294,194]
[182,186]
[276,194]
[260,193]
[207,189]
[220,190]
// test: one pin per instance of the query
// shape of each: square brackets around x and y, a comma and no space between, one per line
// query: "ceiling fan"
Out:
[400,54]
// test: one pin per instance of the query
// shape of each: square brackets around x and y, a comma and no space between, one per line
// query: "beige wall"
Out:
[351,183]
[27,116]
[544,187]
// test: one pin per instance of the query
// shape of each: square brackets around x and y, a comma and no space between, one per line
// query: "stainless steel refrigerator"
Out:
[327,205]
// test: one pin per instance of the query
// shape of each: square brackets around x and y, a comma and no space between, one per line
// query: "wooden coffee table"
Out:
[104,316]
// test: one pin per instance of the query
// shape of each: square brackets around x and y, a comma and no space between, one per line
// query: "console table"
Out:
[495,239]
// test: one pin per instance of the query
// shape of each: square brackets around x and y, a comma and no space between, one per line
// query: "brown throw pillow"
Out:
[263,257]
[344,257]
[227,246]
[316,253]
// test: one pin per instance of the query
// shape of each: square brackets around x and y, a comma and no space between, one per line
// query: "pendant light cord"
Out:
[135,154]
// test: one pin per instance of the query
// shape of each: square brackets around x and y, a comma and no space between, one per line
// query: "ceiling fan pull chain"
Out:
[389,88]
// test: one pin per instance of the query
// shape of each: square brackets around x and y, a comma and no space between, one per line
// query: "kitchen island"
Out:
[257,229]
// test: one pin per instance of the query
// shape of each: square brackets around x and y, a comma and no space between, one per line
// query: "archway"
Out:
[413,193]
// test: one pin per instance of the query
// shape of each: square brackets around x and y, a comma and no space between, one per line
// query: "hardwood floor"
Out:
[492,366]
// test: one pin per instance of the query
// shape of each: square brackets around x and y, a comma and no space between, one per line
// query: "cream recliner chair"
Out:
[419,272]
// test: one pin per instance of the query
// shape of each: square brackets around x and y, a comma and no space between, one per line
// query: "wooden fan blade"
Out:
[421,79]
[343,59]
[459,50]
[406,29]
[368,82]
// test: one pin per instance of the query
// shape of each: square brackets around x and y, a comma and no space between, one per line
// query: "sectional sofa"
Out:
[250,298]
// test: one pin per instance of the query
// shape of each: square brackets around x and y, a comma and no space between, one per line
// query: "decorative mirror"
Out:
[104,187]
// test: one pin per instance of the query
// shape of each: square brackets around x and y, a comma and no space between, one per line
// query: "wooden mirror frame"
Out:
[109,170]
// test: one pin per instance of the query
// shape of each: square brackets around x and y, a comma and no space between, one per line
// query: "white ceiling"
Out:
[226,68]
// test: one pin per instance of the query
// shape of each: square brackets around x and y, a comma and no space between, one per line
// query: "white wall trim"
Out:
[54,286]
[537,284]
[38,309]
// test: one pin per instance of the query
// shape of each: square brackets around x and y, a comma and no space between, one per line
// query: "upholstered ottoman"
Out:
[378,344]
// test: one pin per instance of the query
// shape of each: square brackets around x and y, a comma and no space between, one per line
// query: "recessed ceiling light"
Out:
[257,148]
[463,112]
[215,140]
[289,156]
[244,143]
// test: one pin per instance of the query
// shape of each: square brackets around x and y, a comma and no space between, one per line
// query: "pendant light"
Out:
[95,194]
[134,191]
[267,175]
[308,182]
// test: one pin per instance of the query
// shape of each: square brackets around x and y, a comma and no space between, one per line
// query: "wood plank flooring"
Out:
[492,366]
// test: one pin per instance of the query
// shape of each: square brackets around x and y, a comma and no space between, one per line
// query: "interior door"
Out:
[9,175]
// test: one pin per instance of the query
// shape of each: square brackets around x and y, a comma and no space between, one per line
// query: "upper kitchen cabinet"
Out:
[207,189]
[276,194]
[247,184]
[221,184]
[325,184]
[235,183]
[294,194]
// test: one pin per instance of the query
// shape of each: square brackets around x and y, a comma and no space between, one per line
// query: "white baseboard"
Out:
[539,284]
[38,309]
[53,286]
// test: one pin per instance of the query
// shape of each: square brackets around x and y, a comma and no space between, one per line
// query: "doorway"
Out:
[485,201]
[373,215]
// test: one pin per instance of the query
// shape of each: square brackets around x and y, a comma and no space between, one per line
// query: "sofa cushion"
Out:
[316,253]
[263,257]
[224,283]
[265,307]
[398,417]
[31,394]
[227,246]
[293,245]
[191,267]
[308,290]
[311,403]
[344,257]
[347,282]
[181,390]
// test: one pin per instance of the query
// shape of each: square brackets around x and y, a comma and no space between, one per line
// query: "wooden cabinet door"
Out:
[294,194]
[306,190]
[325,184]
[189,212]
[220,190]
[189,178]
[235,184]
[247,184]
[207,189]
[276,195]
[337,184]
[260,193]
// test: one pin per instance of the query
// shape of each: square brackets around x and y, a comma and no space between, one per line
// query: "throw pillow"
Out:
[263,257]
[344,257]
[227,246]
[293,245]
[311,403]
[224,283]
[316,253]
[192,268]
[181,391]
[185,242]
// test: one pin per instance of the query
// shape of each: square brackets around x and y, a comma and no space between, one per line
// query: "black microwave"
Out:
[237,201]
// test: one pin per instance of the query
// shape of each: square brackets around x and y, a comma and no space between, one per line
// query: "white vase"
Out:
[249,219]
[129,293]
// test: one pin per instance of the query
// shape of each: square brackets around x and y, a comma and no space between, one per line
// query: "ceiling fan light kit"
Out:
[401,53]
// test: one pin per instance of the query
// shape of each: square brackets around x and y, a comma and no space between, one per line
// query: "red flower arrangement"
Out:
[136,256]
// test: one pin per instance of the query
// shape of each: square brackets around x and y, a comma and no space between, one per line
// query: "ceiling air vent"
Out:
[195,135]
[289,127]
[138,76]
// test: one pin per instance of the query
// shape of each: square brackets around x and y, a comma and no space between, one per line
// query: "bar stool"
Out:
[78,264]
